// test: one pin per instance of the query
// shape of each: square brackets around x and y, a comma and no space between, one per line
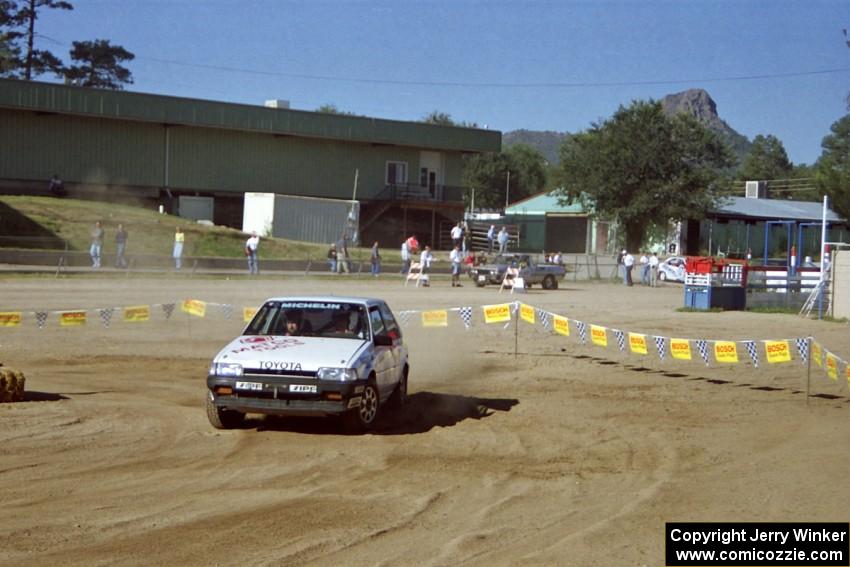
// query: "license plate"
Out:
[249,386]
[482,278]
[303,388]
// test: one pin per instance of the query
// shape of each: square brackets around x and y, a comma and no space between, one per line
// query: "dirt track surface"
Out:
[561,455]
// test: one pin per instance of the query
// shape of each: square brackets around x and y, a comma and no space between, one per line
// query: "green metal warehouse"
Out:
[151,149]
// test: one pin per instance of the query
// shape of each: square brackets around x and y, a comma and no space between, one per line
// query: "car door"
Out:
[394,331]
[383,358]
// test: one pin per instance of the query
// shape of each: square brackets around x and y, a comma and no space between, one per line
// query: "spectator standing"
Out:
[464,237]
[342,255]
[456,257]
[628,264]
[503,240]
[457,234]
[405,258]
[120,247]
[425,259]
[644,269]
[332,257]
[251,252]
[557,258]
[96,244]
[491,235]
[179,238]
[653,270]
[56,186]
[412,244]
[376,260]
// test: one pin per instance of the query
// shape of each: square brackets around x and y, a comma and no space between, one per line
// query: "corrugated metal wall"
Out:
[314,220]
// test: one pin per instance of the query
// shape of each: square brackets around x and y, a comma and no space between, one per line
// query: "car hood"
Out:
[306,354]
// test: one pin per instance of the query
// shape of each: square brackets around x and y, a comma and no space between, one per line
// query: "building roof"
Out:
[773,209]
[542,204]
[124,105]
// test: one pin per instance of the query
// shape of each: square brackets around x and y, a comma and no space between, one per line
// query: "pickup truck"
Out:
[493,271]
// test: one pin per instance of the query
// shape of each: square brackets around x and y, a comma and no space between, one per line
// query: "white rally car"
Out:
[314,356]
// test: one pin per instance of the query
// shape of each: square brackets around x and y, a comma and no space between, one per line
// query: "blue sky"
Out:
[772,67]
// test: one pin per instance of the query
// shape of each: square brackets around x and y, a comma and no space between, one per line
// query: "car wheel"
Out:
[363,417]
[221,418]
[662,276]
[549,282]
[399,397]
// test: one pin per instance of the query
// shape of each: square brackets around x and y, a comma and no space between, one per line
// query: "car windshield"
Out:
[338,320]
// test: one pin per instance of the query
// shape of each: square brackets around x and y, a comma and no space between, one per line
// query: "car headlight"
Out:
[229,369]
[337,374]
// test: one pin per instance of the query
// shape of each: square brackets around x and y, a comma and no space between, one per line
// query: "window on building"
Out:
[396,172]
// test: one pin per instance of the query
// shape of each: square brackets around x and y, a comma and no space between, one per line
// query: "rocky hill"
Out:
[696,102]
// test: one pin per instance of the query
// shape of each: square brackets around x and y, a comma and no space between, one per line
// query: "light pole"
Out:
[508,189]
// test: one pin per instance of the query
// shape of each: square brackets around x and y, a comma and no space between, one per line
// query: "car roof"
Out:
[327,299]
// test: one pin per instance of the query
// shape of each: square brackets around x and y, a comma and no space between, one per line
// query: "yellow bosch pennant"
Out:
[194,307]
[817,354]
[497,313]
[680,348]
[527,313]
[847,372]
[599,335]
[437,318]
[10,318]
[725,351]
[248,313]
[72,318]
[831,366]
[561,325]
[137,314]
[777,351]
[637,343]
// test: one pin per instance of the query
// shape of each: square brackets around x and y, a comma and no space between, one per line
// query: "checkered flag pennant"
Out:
[168,309]
[106,315]
[621,338]
[660,346]
[753,352]
[226,310]
[404,318]
[466,316]
[702,347]
[582,331]
[545,319]
[803,348]
[40,318]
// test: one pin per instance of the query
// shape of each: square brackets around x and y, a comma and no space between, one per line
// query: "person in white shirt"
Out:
[644,269]
[491,235]
[456,258]
[503,240]
[425,259]
[653,269]
[628,264]
[457,234]
[251,246]
[405,258]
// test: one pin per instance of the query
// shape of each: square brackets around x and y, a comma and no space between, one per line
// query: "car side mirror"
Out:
[383,340]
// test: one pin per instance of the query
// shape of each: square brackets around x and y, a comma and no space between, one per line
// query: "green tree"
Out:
[832,170]
[766,161]
[332,109]
[642,169]
[23,16]
[444,119]
[99,65]
[488,174]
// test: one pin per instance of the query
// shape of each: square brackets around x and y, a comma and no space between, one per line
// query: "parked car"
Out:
[672,269]
[314,356]
[493,271]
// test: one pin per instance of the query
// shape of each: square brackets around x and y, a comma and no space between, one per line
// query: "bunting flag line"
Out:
[404,318]
[637,343]
[226,310]
[752,351]
[526,312]
[599,335]
[137,314]
[659,346]
[817,354]
[40,318]
[545,319]
[582,331]
[168,309]
[803,349]
[680,349]
[702,347]
[777,351]
[106,315]
[497,313]
[72,318]
[248,314]
[621,339]
[725,351]
[436,318]
[561,325]
[11,318]
[194,307]
[831,366]
[466,316]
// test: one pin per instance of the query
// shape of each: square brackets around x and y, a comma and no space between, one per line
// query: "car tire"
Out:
[549,282]
[399,396]
[363,417]
[662,276]
[221,418]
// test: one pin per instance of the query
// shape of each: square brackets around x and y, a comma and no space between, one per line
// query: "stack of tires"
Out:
[11,385]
